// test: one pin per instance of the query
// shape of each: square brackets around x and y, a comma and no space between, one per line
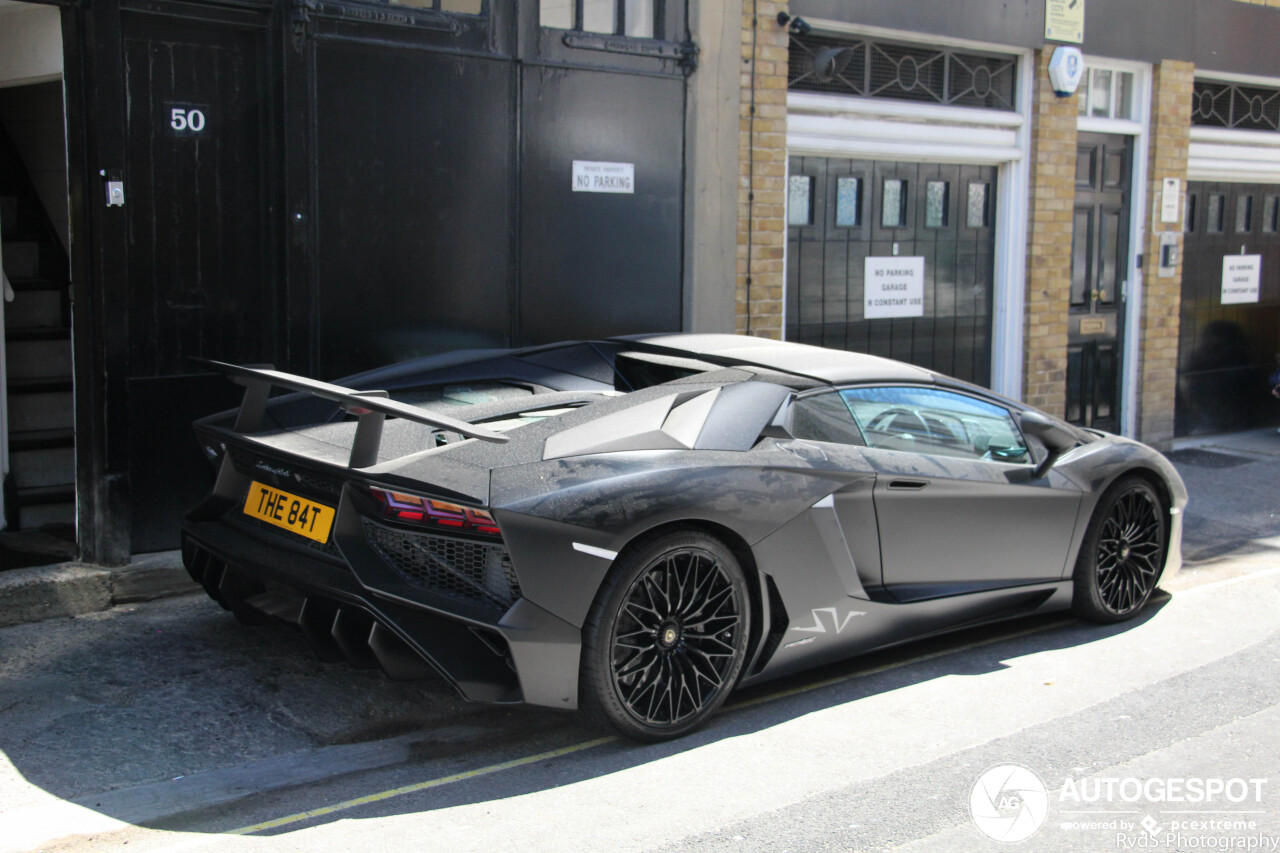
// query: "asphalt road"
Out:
[170,727]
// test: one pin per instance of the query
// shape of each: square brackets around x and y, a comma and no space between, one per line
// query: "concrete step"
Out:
[38,354]
[21,219]
[42,439]
[35,405]
[42,467]
[22,258]
[46,514]
[35,308]
[23,284]
[8,213]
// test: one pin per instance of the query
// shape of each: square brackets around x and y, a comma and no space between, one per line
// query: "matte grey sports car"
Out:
[633,527]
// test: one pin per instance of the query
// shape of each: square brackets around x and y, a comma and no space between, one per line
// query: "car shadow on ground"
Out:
[209,693]
[971,652]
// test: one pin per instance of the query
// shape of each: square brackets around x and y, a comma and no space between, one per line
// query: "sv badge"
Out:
[838,623]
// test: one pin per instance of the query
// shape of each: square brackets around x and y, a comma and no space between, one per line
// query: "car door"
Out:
[957,505]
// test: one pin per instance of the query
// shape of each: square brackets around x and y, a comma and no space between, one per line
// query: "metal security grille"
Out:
[841,212]
[875,69]
[478,572]
[1216,104]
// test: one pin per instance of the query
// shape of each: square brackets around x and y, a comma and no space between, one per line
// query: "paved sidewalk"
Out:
[74,589]
[1234,487]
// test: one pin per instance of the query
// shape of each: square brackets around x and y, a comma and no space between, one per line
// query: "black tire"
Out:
[1122,554]
[666,637]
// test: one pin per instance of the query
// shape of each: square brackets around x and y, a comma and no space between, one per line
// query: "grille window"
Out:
[1216,104]
[840,65]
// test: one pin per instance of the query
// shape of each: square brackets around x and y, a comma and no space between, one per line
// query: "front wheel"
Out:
[665,640]
[1122,554]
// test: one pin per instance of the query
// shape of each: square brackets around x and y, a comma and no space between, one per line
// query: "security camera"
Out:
[799,26]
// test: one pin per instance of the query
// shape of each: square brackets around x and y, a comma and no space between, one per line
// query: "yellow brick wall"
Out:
[762,168]
[1172,86]
[1048,300]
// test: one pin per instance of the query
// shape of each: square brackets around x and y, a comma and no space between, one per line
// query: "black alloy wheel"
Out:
[1122,554]
[666,639]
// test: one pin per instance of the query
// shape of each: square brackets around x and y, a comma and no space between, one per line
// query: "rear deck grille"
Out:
[479,572]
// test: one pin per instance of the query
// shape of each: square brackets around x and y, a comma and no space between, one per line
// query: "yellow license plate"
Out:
[295,514]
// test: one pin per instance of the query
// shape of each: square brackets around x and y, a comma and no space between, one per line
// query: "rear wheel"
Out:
[1122,554]
[666,637]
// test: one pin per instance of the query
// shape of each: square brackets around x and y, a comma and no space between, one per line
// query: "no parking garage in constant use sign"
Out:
[1241,278]
[894,288]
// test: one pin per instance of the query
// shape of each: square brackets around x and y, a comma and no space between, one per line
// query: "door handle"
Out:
[908,485]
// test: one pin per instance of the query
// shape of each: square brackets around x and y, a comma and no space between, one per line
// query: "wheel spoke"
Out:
[677,637]
[711,606]
[1129,552]
[638,662]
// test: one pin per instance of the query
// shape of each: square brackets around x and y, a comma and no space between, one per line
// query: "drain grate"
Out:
[1206,458]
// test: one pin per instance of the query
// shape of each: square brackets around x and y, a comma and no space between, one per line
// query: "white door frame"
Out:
[869,128]
[1139,128]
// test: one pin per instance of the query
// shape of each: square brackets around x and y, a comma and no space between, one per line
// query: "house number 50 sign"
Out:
[185,121]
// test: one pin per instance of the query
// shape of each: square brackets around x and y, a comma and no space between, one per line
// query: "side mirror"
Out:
[1051,434]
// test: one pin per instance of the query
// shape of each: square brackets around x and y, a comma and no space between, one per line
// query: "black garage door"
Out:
[1226,352]
[333,186]
[840,212]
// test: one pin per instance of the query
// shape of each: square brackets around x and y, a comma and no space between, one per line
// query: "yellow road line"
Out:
[578,747]
[419,786]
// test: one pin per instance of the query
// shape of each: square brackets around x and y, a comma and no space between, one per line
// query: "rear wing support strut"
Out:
[371,408]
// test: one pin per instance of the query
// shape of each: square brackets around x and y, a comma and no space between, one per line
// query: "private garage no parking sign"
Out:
[894,287]
[1241,278]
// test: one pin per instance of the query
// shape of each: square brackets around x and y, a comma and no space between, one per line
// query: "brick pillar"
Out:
[1171,92]
[1053,167]
[762,165]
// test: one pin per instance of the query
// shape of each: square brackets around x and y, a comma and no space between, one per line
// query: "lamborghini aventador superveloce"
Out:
[634,527]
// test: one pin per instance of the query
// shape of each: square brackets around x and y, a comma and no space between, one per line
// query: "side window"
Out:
[824,417]
[929,420]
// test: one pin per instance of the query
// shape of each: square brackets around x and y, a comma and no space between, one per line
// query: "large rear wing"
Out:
[370,407]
